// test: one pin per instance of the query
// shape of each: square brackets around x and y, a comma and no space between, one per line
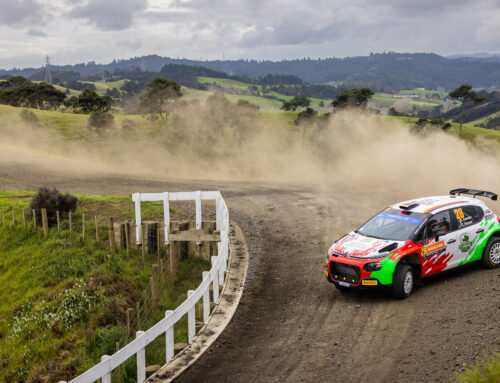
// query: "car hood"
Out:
[359,246]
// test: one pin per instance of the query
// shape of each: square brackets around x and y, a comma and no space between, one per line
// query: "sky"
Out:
[77,31]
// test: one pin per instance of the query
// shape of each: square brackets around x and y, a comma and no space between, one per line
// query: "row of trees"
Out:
[355,98]
[20,92]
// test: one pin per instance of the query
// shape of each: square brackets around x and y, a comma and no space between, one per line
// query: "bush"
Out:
[29,117]
[128,127]
[100,120]
[53,201]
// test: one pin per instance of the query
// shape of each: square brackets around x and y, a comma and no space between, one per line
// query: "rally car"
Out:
[414,239]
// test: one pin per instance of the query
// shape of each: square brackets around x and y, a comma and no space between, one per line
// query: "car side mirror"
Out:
[436,238]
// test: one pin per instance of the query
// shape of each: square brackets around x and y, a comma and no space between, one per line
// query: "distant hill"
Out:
[483,56]
[381,71]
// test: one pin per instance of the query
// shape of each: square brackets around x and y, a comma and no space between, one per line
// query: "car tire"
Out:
[403,281]
[491,254]
[341,288]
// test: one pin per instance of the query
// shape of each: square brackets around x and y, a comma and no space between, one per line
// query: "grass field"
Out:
[63,299]
[260,101]
[387,100]
[469,132]
[102,87]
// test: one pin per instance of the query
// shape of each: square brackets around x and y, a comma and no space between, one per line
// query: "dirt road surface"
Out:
[292,325]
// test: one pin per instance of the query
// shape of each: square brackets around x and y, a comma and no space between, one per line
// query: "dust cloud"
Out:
[217,141]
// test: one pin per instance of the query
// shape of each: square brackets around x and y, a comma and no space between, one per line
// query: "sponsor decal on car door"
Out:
[468,221]
[435,254]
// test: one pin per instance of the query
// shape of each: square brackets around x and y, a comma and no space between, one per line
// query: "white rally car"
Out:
[416,239]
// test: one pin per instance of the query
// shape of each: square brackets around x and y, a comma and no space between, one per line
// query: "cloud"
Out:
[132,43]
[489,30]
[36,32]
[110,14]
[20,12]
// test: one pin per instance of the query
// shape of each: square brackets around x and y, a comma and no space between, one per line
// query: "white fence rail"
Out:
[165,326]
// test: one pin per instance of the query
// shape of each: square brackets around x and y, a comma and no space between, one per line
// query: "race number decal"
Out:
[459,213]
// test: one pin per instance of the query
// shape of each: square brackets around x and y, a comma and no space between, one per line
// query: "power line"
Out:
[48,76]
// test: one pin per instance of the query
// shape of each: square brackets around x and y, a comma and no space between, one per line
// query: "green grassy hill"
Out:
[424,99]
[469,132]
[102,87]
[261,101]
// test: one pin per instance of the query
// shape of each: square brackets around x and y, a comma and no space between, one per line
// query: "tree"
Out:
[245,119]
[158,95]
[306,119]
[356,98]
[296,102]
[464,93]
[100,120]
[90,101]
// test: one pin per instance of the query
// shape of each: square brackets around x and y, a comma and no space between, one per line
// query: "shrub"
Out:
[53,201]
[128,127]
[29,117]
[100,120]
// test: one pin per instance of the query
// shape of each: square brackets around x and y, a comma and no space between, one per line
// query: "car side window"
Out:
[467,215]
[438,224]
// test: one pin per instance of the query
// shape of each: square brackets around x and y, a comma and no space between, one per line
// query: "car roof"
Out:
[435,204]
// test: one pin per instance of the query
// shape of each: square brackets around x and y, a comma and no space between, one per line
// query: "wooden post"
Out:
[34,218]
[96,230]
[3,216]
[111,232]
[119,368]
[145,310]
[24,218]
[174,259]
[70,222]
[158,241]
[129,319]
[13,217]
[127,241]
[143,245]
[58,217]
[138,309]
[161,274]
[45,223]
[83,227]
[154,286]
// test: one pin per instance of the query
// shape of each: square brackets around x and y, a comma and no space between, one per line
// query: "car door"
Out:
[439,243]
[468,222]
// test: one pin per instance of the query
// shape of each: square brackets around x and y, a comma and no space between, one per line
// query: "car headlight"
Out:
[373,266]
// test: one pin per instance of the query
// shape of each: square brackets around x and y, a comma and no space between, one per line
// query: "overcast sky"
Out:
[75,31]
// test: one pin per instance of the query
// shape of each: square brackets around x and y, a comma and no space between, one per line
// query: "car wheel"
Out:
[341,288]
[403,281]
[491,254]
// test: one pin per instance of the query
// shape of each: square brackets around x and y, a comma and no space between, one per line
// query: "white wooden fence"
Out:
[165,326]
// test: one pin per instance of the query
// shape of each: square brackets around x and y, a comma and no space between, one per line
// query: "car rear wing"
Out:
[474,193]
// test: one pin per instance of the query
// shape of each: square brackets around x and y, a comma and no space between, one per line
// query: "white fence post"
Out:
[215,283]
[191,320]
[221,271]
[138,219]
[218,210]
[206,299]
[198,212]
[106,378]
[141,361]
[169,340]
[166,215]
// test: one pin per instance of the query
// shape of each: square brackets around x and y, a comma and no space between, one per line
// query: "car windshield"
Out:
[393,224]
